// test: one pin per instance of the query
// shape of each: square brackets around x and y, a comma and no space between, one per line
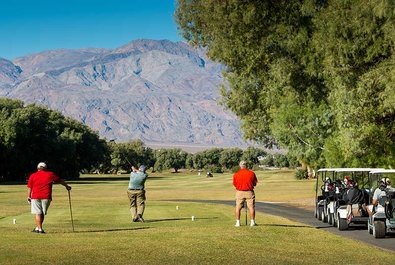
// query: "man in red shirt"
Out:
[39,193]
[245,180]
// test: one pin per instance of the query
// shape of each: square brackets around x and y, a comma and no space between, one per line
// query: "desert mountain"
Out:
[161,92]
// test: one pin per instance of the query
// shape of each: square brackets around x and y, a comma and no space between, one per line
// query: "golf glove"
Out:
[29,200]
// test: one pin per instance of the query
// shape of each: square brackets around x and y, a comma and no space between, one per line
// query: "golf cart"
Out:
[350,204]
[383,220]
[324,192]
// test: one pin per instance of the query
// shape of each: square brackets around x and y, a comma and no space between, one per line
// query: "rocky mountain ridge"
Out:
[161,92]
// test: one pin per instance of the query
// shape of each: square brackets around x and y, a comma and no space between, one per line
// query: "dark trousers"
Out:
[137,202]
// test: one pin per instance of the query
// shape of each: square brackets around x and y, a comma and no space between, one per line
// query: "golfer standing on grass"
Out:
[245,180]
[39,193]
[136,193]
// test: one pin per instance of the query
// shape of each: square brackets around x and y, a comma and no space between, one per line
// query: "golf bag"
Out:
[389,203]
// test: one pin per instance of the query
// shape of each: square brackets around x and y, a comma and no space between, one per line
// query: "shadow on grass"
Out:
[293,226]
[103,230]
[83,180]
[177,219]
[95,179]
[19,182]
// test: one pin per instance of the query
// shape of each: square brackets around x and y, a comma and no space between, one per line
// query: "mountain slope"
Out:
[9,73]
[157,91]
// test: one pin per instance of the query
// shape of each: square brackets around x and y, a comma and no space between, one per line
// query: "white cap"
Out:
[41,166]
[386,181]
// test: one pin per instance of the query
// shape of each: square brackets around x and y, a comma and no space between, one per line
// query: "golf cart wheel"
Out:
[379,229]
[342,223]
[320,210]
[334,221]
[324,217]
[330,218]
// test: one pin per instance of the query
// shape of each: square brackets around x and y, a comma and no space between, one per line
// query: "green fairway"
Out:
[104,233]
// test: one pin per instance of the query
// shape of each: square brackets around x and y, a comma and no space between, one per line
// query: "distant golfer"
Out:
[245,180]
[39,193]
[136,193]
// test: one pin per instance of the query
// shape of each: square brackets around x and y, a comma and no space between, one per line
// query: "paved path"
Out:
[307,217]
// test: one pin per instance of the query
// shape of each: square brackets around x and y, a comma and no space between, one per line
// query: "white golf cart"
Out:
[324,192]
[345,212]
[382,221]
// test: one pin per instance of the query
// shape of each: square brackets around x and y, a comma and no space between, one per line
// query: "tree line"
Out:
[31,133]
[315,77]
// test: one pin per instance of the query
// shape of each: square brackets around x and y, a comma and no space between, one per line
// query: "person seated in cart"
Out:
[378,194]
[354,196]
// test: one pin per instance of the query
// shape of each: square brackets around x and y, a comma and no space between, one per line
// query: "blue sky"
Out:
[33,26]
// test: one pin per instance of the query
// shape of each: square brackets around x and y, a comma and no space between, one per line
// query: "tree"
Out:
[263,44]
[207,158]
[170,158]
[133,153]
[212,156]
[302,74]
[230,157]
[251,155]
[189,161]
[199,160]
[30,134]
[359,57]
[280,160]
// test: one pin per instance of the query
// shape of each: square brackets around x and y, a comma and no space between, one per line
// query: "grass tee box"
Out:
[105,235]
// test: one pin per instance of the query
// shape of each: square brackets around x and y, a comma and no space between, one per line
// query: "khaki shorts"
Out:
[242,196]
[40,206]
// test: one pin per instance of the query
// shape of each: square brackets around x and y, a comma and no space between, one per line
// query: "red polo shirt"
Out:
[244,179]
[41,184]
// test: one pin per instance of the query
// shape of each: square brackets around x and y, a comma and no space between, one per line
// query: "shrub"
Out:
[280,160]
[215,169]
[301,174]
[268,161]
[293,162]
[235,169]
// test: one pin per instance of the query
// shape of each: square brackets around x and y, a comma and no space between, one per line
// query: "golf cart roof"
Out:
[326,169]
[356,169]
[382,171]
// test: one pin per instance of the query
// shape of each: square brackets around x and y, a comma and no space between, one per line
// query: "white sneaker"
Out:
[253,224]
[237,224]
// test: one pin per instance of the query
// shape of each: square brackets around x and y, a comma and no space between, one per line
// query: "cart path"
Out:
[304,216]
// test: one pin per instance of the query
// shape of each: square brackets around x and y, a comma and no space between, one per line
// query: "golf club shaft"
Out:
[71,212]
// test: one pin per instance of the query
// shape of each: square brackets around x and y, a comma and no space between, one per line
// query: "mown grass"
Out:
[105,235]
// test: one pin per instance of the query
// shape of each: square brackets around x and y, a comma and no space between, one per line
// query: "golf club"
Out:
[71,212]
